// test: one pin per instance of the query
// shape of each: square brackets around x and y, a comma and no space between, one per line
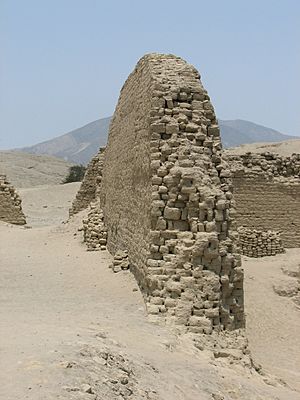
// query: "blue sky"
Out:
[63,62]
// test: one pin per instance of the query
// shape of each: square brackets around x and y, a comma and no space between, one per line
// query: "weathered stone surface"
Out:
[94,230]
[10,204]
[163,183]
[255,243]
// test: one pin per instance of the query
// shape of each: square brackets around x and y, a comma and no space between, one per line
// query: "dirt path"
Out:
[70,326]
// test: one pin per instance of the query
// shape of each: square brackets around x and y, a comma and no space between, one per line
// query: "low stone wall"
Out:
[267,165]
[91,181]
[10,204]
[167,197]
[267,193]
[94,230]
[255,243]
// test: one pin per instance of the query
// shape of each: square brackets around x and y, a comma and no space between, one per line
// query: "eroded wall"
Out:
[167,197]
[10,204]
[90,184]
[267,194]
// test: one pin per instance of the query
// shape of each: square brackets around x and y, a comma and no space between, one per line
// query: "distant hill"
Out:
[80,145]
[236,132]
[77,146]
[26,170]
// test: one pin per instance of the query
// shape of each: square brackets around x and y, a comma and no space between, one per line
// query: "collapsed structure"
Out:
[166,197]
[10,204]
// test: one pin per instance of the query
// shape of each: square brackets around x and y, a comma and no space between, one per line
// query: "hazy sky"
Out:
[63,62]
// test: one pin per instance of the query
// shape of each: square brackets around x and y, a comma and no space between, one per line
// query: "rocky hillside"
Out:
[26,170]
[81,144]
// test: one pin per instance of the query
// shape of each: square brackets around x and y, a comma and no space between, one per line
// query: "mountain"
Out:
[80,145]
[77,146]
[236,132]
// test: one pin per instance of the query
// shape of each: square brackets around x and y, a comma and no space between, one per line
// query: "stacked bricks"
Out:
[94,231]
[269,165]
[166,196]
[255,243]
[267,193]
[120,261]
[91,181]
[10,204]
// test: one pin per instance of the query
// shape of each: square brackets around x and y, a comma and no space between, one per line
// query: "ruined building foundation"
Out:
[166,197]
[10,204]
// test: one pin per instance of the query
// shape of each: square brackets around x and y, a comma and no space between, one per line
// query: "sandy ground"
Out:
[27,170]
[47,205]
[285,148]
[70,326]
[273,321]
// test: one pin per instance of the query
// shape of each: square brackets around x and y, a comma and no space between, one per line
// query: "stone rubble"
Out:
[94,230]
[256,243]
[10,204]
[268,164]
[120,261]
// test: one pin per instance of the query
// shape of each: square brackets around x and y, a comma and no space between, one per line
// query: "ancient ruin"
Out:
[94,230]
[90,183]
[167,200]
[162,194]
[267,193]
[10,203]
[255,243]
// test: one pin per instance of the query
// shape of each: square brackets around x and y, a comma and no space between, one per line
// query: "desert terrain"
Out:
[285,148]
[29,170]
[72,329]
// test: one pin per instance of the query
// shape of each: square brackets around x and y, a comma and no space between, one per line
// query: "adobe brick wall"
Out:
[267,194]
[89,185]
[10,203]
[166,197]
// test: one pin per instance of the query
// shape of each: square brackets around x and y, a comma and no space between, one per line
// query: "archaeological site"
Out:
[165,195]
[176,275]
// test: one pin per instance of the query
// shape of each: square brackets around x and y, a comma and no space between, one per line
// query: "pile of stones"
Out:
[120,261]
[269,164]
[94,230]
[257,243]
[10,203]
